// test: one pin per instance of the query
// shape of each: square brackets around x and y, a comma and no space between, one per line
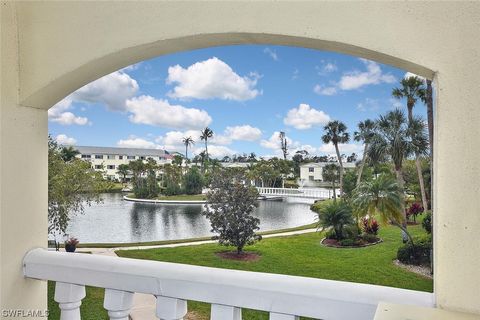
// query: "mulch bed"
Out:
[244,256]
[335,243]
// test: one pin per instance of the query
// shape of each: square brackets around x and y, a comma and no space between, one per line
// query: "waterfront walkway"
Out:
[144,304]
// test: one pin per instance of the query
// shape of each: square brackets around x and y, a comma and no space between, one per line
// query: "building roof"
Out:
[122,151]
[323,164]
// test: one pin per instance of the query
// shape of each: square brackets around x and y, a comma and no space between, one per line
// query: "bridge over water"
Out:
[312,193]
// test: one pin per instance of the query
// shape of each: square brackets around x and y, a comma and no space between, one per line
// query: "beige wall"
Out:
[62,46]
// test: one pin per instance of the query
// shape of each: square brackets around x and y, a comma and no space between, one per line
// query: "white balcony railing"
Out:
[284,297]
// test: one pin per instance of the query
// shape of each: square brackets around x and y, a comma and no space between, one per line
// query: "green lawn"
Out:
[184,197]
[300,255]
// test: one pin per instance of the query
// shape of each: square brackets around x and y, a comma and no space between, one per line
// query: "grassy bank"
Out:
[184,197]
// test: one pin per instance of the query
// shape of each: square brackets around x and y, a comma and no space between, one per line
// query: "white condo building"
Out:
[107,159]
[313,172]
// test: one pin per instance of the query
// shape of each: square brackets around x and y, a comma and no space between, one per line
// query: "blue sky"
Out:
[245,94]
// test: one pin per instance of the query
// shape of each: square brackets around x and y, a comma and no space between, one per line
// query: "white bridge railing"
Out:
[284,297]
[298,193]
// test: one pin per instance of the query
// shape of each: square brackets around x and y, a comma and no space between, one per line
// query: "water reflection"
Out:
[116,220]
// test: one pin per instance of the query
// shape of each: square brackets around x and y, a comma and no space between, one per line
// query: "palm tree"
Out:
[336,132]
[68,153]
[383,197]
[336,215]
[413,89]
[283,144]
[207,133]
[397,140]
[187,141]
[330,174]
[123,170]
[365,134]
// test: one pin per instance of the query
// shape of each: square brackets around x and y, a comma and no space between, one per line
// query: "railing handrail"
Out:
[309,297]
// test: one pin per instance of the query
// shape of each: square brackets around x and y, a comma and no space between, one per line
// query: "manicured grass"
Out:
[302,255]
[184,197]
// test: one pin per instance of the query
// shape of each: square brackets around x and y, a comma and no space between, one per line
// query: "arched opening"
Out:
[364,68]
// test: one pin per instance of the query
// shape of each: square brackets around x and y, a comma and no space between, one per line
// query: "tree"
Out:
[413,89]
[187,141]
[207,133]
[337,215]
[330,173]
[193,181]
[144,177]
[384,197]
[229,206]
[396,139]
[72,185]
[365,134]
[68,153]
[283,144]
[123,170]
[335,133]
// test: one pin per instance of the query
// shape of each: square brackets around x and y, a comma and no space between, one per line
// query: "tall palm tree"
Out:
[365,134]
[383,197]
[283,144]
[207,133]
[397,139]
[413,89]
[336,132]
[187,141]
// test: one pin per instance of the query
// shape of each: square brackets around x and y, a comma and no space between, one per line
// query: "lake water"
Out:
[116,220]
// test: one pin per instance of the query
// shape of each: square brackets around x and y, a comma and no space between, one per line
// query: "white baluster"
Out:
[118,304]
[69,297]
[222,312]
[282,316]
[171,308]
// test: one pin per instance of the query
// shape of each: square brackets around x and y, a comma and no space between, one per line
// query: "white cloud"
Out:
[368,104]
[59,114]
[211,79]
[395,103]
[63,139]
[271,53]
[244,133]
[215,151]
[326,67]
[133,142]
[345,148]
[274,142]
[296,74]
[410,74]
[309,148]
[304,117]
[112,90]
[373,75]
[325,90]
[172,140]
[156,112]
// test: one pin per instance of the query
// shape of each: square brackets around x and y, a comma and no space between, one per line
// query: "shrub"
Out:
[347,242]
[336,214]
[172,188]
[414,210]
[417,254]
[370,238]
[350,232]
[330,234]
[193,181]
[370,226]
[427,222]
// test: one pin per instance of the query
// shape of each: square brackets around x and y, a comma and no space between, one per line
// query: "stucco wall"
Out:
[62,46]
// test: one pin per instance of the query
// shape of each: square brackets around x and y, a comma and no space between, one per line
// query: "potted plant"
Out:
[71,244]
